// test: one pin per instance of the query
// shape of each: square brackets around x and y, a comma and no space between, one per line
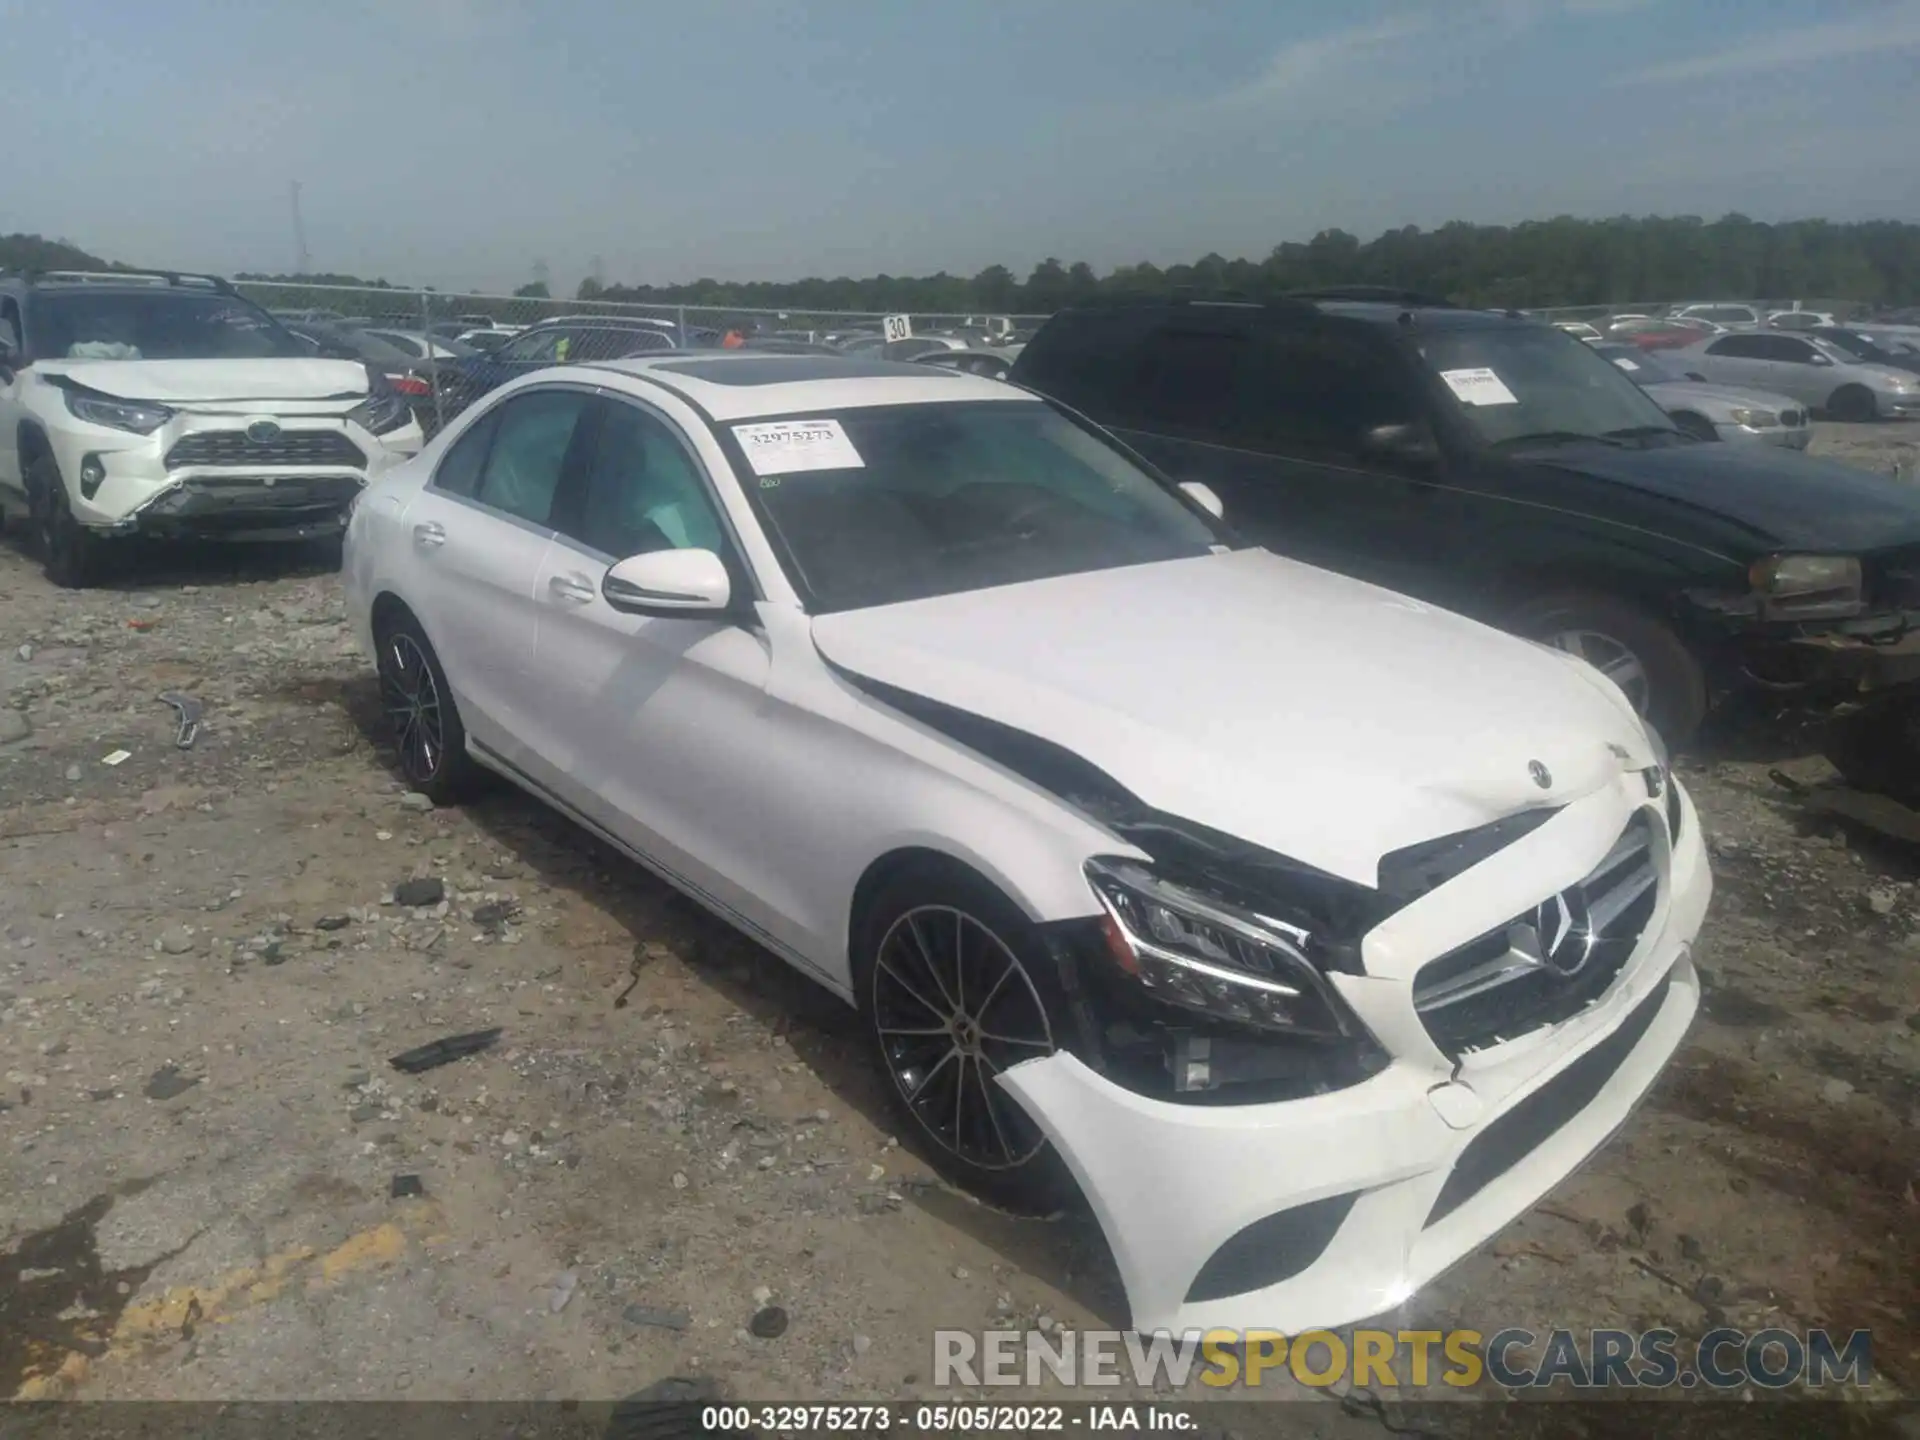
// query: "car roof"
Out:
[1285,310]
[740,385]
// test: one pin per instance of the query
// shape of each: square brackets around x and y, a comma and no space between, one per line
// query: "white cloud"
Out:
[1317,59]
[1866,32]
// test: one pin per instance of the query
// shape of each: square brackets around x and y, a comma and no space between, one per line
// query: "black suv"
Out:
[1497,466]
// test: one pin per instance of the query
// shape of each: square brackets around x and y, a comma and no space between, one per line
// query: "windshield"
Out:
[1637,363]
[1521,382]
[157,325]
[899,502]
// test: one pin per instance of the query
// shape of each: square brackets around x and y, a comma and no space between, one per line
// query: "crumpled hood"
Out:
[1783,497]
[1303,711]
[1715,400]
[187,381]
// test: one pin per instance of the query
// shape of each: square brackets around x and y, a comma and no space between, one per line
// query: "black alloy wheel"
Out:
[421,714]
[953,1007]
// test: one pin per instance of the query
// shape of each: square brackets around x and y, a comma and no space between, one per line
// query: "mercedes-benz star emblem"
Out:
[261,432]
[1559,937]
[1542,776]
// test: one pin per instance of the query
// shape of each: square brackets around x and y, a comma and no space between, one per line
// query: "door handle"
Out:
[572,588]
[429,536]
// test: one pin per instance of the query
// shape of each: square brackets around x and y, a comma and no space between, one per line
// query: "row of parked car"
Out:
[442,369]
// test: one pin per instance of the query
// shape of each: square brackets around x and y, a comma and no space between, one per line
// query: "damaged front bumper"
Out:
[1325,1210]
[1873,653]
[222,506]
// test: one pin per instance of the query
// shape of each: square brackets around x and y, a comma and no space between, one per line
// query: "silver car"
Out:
[1727,314]
[1817,374]
[1714,412]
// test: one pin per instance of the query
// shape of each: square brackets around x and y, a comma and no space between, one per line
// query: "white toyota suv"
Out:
[166,404]
[1311,932]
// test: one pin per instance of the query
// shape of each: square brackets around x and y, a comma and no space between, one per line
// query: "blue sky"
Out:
[460,142]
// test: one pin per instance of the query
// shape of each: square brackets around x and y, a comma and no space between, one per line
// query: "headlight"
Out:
[1206,955]
[1759,419]
[137,416]
[1807,586]
[384,409]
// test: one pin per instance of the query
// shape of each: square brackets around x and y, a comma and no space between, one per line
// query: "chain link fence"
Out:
[441,348]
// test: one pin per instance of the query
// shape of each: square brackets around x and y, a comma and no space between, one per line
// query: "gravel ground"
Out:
[203,971]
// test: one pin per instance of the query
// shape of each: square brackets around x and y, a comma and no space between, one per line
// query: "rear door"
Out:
[478,533]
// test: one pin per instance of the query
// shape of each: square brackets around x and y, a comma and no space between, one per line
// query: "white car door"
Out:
[478,532]
[659,729]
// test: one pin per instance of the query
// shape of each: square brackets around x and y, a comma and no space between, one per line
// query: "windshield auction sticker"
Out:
[1479,387]
[786,447]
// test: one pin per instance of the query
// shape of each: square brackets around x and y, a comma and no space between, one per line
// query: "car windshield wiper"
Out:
[1641,432]
[1560,437]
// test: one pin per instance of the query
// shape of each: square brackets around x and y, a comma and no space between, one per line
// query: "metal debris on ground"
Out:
[426,890]
[658,1319]
[1879,813]
[493,916]
[167,1082]
[769,1323]
[116,757]
[444,1051]
[188,712]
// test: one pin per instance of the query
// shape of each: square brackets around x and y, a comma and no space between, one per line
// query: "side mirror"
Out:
[1696,375]
[1403,444]
[691,584]
[1203,496]
[1819,359]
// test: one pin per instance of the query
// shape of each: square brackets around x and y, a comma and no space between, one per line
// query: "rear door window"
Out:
[522,473]
[459,470]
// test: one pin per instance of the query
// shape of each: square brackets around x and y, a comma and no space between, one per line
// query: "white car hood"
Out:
[1315,715]
[187,381]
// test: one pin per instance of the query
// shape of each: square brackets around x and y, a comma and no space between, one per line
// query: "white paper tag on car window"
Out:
[1479,387]
[1626,364]
[785,447]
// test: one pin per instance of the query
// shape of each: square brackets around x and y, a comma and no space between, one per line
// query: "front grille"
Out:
[289,447]
[1528,1125]
[1549,964]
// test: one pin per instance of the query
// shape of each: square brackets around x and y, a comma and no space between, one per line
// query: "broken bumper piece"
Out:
[1326,1210]
[249,507]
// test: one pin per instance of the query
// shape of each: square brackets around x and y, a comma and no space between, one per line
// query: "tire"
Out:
[70,554]
[930,1043]
[1854,404]
[420,710]
[1698,426]
[1638,652]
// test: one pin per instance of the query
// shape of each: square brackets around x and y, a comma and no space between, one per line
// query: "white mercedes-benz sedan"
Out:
[1312,933]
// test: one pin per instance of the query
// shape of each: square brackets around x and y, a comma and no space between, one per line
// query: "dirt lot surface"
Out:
[203,973]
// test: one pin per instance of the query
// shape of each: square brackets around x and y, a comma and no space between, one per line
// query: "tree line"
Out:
[1536,264]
